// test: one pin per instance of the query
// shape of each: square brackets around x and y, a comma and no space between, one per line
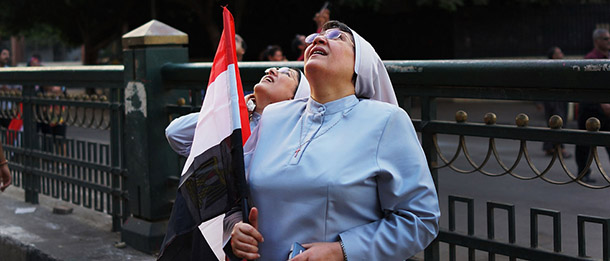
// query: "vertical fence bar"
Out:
[491,206]
[470,216]
[451,226]
[605,222]
[490,230]
[30,144]
[534,213]
[428,113]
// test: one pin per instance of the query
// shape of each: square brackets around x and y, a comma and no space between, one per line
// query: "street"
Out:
[571,200]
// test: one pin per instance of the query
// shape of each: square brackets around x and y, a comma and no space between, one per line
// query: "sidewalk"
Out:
[42,235]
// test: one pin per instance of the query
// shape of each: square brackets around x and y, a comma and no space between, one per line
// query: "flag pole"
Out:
[238,167]
[237,139]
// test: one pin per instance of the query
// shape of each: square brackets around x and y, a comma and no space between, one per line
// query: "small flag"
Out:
[213,178]
[15,127]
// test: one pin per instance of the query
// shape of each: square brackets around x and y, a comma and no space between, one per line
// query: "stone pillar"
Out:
[147,157]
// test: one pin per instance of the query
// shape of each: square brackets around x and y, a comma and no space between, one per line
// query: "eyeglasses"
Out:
[284,70]
[329,34]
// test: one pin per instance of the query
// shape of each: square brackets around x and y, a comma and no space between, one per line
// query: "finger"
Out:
[250,231]
[244,250]
[306,246]
[6,183]
[301,257]
[242,254]
[254,222]
[253,217]
[243,246]
[245,238]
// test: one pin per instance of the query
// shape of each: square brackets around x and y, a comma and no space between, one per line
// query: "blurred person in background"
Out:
[586,110]
[5,58]
[551,108]
[56,125]
[601,44]
[240,47]
[273,53]
[298,46]
[322,17]
[5,173]
[35,60]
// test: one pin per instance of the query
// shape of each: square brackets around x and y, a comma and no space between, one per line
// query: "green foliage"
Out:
[454,5]
[373,4]
[42,34]
[72,20]
[450,5]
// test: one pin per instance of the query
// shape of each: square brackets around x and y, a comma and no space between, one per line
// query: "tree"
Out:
[93,24]
[453,5]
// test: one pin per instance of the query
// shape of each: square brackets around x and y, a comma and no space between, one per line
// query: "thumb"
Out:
[254,217]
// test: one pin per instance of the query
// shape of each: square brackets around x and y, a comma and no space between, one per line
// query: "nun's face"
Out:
[331,56]
[278,84]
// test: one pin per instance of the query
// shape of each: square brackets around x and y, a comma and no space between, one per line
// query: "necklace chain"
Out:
[296,152]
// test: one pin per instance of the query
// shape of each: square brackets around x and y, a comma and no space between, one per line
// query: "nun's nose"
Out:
[320,39]
[271,71]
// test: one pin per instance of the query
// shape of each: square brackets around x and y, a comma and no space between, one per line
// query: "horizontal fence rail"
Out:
[93,76]
[536,80]
[42,159]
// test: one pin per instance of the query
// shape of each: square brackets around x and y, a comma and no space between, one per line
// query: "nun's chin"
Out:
[313,67]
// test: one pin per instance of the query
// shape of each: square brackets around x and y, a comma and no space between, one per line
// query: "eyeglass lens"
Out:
[284,70]
[329,34]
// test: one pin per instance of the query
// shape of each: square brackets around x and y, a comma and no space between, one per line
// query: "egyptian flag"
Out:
[213,179]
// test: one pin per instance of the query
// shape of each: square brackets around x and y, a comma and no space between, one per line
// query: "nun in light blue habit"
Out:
[181,131]
[341,172]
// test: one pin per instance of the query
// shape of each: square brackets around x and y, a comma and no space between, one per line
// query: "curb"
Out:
[12,249]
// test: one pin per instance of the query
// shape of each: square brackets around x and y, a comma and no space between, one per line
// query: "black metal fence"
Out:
[570,81]
[421,83]
[93,174]
[75,170]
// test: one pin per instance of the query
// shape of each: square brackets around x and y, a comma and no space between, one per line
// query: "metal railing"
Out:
[83,172]
[526,80]
[423,82]
[96,175]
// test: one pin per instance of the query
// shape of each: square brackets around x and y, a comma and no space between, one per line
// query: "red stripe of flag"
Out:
[221,61]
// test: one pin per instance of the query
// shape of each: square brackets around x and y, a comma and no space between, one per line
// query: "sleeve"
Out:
[180,133]
[232,217]
[407,197]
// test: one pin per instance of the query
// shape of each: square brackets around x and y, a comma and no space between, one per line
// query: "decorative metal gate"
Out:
[42,158]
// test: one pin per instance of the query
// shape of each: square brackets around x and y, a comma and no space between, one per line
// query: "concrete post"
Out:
[146,152]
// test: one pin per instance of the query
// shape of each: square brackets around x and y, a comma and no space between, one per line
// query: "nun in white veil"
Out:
[276,85]
[341,172]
